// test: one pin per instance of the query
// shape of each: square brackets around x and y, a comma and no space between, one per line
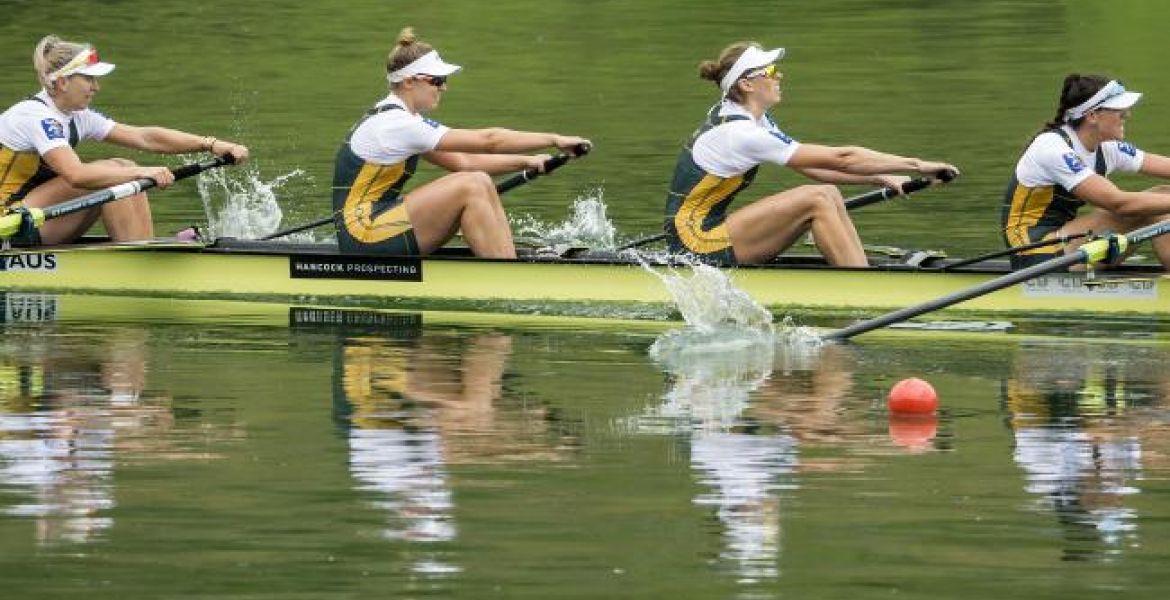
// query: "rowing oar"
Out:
[1064,239]
[878,195]
[1095,251]
[514,181]
[24,219]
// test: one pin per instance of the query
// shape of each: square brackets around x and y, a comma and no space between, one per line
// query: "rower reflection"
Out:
[62,411]
[746,400]
[412,404]
[1080,423]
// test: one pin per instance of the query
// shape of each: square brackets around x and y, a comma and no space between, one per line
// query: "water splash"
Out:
[588,226]
[250,209]
[707,299]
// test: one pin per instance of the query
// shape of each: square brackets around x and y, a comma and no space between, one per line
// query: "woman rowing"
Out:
[382,150]
[1065,166]
[39,166]
[724,154]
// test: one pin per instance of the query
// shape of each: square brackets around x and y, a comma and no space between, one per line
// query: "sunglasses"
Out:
[435,80]
[770,71]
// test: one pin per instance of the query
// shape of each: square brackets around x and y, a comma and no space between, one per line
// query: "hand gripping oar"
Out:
[873,197]
[1095,251]
[514,181]
[24,219]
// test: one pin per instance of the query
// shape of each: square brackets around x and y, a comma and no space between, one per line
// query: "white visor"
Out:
[752,58]
[85,63]
[427,64]
[1113,96]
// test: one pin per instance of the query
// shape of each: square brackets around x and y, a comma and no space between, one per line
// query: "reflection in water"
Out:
[728,393]
[412,405]
[61,414]
[1079,434]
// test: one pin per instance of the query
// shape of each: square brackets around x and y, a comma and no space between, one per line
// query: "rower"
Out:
[39,167]
[382,150]
[724,153]
[1066,166]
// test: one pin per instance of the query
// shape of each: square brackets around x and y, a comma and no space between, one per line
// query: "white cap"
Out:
[85,63]
[427,64]
[1113,96]
[752,58]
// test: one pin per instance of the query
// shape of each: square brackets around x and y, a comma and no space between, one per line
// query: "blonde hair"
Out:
[51,54]
[407,49]
[714,70]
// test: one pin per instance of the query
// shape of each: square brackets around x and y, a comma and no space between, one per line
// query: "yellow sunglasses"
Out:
[770,71]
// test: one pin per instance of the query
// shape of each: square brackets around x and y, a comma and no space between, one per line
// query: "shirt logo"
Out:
[780,135]
[1073,162]
[53,129]
[1127,148]
[431,122]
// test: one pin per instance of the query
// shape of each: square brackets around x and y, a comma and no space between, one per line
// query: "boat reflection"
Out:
[65,411]
[413,403]
[745,400]
[1084,424]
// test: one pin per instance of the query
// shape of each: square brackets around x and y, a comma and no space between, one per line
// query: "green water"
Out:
[161,449]
[204,450]
[966,82]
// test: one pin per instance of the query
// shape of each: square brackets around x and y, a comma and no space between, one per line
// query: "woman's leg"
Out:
[127,219]
[765,228]
[467,201]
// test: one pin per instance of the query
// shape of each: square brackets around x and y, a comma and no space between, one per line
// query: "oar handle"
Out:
[914,185]
[550,165]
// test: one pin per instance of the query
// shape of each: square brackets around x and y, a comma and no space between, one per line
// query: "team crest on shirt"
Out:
[54,130]
[780,135]
[1073,162]
[1127,148]
[431,122]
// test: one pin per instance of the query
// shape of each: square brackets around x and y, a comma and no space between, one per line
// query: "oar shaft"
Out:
[1094,251]
[131,187]
[1015,250]
[952,299]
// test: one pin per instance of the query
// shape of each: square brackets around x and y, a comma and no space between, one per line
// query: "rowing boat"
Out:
[554,282]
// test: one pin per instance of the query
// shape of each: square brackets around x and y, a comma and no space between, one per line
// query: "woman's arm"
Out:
[860,161]
[492,164]
[66,164]
[172,141]
[504,141]
[1101,192]
[837,177]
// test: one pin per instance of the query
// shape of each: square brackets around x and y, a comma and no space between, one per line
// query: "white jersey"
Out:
[1050,161]
[30,125]
[393,136]
[737,146]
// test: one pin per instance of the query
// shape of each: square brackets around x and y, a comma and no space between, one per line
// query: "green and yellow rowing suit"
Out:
[696,206]
[368,204]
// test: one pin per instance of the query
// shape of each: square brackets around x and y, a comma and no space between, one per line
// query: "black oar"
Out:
[514,181]
[1016,250]
[22,219]
[1094,251]
[878,195]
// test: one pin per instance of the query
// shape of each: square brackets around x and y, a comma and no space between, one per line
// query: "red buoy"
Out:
[913,395]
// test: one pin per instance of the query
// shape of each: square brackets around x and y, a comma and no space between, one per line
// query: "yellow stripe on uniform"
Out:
[16,169]
[695,207]
[372,181]
[1028,207]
